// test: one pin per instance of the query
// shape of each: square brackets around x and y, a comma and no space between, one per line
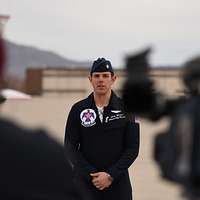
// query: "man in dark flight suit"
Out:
[101,140]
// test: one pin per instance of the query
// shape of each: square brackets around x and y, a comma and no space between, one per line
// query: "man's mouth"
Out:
[100,86]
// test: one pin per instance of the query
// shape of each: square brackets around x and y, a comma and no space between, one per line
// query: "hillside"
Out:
[20,57]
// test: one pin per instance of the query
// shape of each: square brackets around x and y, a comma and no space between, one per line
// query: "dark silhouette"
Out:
[177,150]
[32,165]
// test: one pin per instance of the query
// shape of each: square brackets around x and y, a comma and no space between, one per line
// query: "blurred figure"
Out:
[102,141]
[32,164]
[186,129]
[177,150]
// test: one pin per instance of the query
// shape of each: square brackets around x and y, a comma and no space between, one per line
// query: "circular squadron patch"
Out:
[88,117]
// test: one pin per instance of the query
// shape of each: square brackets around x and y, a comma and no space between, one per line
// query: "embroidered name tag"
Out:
[115,111]
[88,117]
[115,117]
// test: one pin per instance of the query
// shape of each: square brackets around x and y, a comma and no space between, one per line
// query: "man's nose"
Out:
[100,78]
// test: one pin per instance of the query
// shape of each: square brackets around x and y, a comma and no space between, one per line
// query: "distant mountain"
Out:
[20,57]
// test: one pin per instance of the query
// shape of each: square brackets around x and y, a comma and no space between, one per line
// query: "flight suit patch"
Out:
[88,117]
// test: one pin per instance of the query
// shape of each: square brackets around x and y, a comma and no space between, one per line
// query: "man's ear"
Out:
[114,77]
[90,78]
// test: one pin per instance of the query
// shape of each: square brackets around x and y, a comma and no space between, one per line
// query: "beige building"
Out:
[66,81]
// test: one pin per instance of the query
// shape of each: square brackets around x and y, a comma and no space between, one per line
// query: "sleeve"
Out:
[130,153]
[72,146]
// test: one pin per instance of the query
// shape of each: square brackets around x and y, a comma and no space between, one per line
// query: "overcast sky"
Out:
[87,29]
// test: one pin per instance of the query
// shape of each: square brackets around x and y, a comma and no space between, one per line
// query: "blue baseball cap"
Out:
[101,65]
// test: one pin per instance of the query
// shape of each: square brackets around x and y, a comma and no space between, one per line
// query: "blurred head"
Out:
[191,76]
[102,76]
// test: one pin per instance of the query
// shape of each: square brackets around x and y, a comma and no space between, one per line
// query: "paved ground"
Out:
[51,113]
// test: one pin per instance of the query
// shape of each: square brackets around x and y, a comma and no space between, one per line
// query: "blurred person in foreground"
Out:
[177,150]
[185,129]
[102,141]
[32,165]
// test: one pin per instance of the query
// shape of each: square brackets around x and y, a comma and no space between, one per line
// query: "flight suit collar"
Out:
[114,102]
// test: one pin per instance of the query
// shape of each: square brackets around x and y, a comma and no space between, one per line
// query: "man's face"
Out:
[102,82]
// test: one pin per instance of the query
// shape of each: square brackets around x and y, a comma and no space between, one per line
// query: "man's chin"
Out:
[100,92]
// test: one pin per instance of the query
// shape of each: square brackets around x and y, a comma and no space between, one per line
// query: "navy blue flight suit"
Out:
[93,146]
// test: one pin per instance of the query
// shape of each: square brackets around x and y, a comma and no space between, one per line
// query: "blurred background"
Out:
[50,47]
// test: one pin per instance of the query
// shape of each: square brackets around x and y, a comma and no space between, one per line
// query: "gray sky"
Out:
[87,29]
